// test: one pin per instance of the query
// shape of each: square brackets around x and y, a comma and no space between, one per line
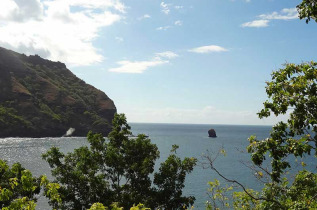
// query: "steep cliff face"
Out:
[40,98]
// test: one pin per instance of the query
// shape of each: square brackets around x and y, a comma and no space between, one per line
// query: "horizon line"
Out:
[198,123]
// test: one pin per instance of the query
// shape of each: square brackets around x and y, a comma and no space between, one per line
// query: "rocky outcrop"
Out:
[212,133]
[41,98]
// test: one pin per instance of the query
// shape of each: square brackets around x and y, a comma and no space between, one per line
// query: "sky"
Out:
[171,61]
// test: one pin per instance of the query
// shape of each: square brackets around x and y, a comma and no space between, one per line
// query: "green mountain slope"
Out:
[40,98]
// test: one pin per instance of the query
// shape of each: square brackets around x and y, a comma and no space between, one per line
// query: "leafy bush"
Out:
[19,189]
[292,89]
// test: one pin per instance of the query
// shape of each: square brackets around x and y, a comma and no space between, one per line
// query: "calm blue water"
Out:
[192,139]
[194,142]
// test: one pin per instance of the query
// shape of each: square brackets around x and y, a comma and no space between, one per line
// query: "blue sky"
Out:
[174,61]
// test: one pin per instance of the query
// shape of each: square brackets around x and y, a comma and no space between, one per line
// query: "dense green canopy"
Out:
[308,10]
[118,169]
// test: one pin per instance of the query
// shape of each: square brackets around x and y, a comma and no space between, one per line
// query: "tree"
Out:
[15,183]
[117,169]
[307,10]
[292,89]
[170,181]
[19,189]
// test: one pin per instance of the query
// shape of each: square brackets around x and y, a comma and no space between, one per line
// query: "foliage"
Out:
[307,9]
[10,117]
[293,90]
[97,206]
[47,110]
[243,200]
[21,203]
[301,194]
[46,99]
[18,188]
[226,198]
[140,206]
[170,181]
[114,206]
[219,194]
[117,169]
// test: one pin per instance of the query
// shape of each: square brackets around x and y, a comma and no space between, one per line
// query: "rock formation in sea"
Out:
[212,133]
[42,98]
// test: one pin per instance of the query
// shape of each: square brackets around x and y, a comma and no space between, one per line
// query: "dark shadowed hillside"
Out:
[41,98]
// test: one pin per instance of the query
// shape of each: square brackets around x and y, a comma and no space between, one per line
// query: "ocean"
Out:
[193,141]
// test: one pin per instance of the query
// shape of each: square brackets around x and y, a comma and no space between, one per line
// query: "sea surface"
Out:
[193,141]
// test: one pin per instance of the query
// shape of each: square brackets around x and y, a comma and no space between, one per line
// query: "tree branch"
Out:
[238,183]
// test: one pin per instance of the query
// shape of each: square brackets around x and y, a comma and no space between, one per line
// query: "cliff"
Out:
[41,98]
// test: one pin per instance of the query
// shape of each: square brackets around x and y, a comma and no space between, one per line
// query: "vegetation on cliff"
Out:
[41,98]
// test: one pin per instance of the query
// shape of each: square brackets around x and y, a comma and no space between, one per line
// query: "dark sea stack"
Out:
[212,133]
[42,98]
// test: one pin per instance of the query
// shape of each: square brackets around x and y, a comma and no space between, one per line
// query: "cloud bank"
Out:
[138,67]
[167,54]
[178,22]
[204,115]
[163,28]
[265,19]
[60,30]
[256,24]
[208,49]
[165,8]
[145,16]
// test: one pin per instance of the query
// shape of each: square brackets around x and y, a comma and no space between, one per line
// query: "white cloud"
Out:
[256,24]
[264,19]
[8,7]
[163,28]
[119,39]
[204,115]
[60,30]
[208,49]
[17,10]
[138,67]
[146,16]
[247,1]
[178,22]
[167,54]
[165,8]
[285,14]
[178,7]
[96,4]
